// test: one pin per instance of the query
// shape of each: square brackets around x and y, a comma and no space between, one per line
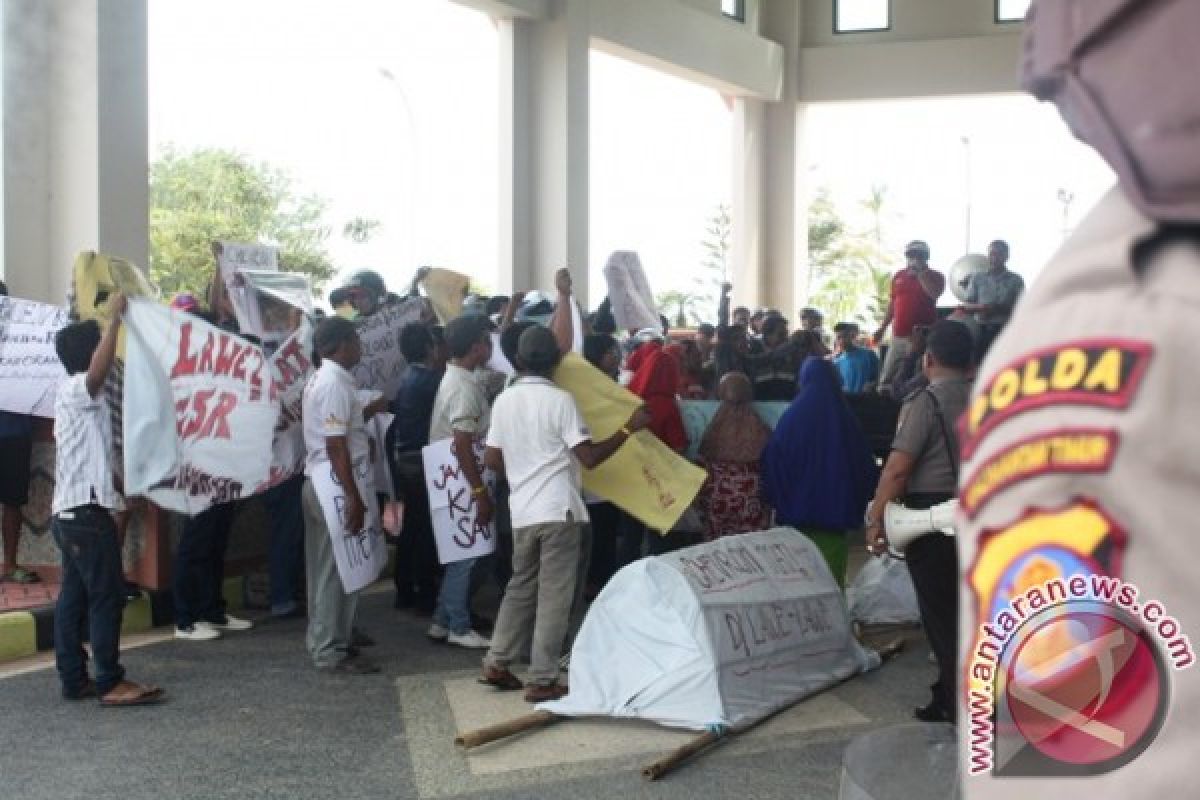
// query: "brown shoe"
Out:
[501,678]
[544,692]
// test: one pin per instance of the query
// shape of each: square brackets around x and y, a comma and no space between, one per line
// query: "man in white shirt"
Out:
[85,497]
[335,436]
[538,439]
[461,412]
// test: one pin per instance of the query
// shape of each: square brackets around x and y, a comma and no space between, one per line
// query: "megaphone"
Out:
[906,525]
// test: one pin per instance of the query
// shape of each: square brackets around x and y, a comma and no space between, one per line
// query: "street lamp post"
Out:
[966,142]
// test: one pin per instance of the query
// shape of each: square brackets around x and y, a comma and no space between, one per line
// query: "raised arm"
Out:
[106,352]
[562,323]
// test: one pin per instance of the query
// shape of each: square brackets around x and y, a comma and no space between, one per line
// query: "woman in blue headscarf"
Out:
[818,471]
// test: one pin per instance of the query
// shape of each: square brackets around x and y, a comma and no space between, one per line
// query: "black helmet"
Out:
[370,280]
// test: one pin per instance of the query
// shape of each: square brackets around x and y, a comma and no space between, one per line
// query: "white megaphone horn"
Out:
[905,525]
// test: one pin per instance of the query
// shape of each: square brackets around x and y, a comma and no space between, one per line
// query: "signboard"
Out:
[200,407]
[273,299]
[447,290]
[360,555]
[382,365]
[629,293]
[29,366]
[233,258]
[722,634]
[452,506]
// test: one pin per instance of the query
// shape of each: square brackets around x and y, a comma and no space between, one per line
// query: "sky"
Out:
[300,84]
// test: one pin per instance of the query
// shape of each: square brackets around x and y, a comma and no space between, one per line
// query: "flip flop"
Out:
[133,694]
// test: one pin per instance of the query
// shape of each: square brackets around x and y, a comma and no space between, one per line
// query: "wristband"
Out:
[628,433]
[479,491]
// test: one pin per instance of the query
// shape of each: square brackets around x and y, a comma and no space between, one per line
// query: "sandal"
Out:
[127,693]
[501,678]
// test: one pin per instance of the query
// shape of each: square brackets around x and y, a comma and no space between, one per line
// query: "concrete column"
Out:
[75,138]
[544,148]
[770,226]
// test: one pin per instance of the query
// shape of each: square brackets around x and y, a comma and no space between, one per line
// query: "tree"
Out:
[681,303]
[217,194]
[717,246]
[849,278]
[360,229]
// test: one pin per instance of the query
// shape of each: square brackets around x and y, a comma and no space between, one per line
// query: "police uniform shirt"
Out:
[919,434]
[1081,456]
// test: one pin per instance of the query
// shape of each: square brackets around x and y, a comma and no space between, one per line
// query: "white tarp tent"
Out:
[721,634]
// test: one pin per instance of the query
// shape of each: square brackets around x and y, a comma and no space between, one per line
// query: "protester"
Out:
[93,589]
[368,292]
[910,375]
[706,340]
[461,413]
[609,525]
[656,380]
[731,451]
[416,572]
[16,452]
[538,439]
[921,472]
[992,296]
[857,366]
[913,301]
[818,471]
[198,576]
[691,370]
[335,435]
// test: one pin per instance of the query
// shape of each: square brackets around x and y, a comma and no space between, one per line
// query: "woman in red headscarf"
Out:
[656,380]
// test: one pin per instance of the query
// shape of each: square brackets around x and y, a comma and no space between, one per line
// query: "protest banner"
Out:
[97,277]
[447,290]
[291,367]
[200,408]
[645,477]
[273,298]
[234,258]
[720,635]
[629,293]
[360,555]
[698,415]
[452,506]
[382,365]
[29,366]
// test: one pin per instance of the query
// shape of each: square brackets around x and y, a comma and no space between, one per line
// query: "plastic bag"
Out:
[882,594]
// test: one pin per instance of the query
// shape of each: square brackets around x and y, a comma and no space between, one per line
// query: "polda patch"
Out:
[1104,373]
[1065,451]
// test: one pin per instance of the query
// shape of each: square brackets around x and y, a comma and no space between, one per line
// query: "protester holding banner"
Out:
[538,439]
[461,412]
[336,491]
[424,348]
[85,496]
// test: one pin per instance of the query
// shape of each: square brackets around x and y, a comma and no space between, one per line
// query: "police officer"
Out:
[1081,449]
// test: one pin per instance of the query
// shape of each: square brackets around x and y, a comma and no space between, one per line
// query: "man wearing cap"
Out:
[335,437]
[1096,378]
[914,294]
[538,440]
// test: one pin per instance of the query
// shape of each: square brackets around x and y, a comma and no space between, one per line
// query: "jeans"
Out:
[286,554]
[453,604]
[199,574]
[93,594]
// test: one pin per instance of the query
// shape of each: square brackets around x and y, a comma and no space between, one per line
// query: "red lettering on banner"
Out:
[228,351]
[201,419]
[185,363]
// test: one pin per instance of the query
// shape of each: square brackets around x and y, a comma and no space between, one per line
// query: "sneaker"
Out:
[437,633]
[199,632]
[231,623]
[470,640]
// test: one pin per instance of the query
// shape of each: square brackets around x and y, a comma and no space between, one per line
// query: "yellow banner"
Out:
[645,477]
[96,278]
[446,290]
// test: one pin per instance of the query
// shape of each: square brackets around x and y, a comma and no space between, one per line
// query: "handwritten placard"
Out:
[629,292]
[232,259]
[29,366]
[360,555]
[452,505]
[382,365]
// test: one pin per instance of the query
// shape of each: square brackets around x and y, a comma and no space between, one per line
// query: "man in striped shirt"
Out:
[85,497]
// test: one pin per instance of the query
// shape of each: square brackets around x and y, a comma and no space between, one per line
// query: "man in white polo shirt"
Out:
[538,439]
[334,434]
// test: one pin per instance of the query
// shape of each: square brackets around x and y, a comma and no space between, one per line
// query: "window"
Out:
[735,9]
[1011,10]
[857,16]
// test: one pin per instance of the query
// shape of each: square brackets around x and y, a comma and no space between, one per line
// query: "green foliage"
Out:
[717,244]
[680,303]
[217,194]
[849,276]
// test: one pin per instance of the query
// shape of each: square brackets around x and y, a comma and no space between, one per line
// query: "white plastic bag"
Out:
[882,594]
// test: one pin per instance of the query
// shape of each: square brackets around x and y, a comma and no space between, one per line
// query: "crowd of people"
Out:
[557,545]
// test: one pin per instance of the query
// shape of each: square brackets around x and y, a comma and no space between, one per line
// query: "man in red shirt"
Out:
[915,290]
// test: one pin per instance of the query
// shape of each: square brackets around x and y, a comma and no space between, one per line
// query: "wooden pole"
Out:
[670,762]
[492,733]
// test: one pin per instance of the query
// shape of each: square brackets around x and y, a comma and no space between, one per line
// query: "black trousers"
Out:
[933,563]
[417,569]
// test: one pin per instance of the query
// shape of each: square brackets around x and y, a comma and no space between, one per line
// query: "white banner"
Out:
[360,555]
[272,299]
[291,367]
[200,409]
[232,259]
[382,365]
[452,506]
[29,366]
[629,292]
[724,633]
